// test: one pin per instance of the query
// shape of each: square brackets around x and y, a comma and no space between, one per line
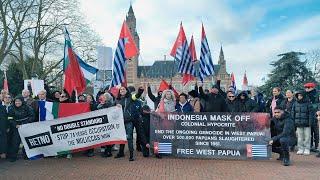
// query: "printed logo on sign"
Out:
[39,140]
[162,148]
[254,150]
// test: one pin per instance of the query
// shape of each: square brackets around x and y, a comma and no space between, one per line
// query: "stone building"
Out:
[165,69]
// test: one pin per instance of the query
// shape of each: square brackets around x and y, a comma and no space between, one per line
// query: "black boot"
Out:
[286,158]
[145,152]
[121,152]
[131,158]
[280,158]
[318,155]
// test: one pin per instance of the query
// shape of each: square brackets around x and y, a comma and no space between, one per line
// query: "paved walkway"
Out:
[81,167]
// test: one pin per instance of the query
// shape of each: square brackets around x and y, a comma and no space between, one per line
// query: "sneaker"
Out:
[306,152]
[300,152]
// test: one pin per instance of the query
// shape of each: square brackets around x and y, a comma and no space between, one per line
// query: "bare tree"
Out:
[313,62]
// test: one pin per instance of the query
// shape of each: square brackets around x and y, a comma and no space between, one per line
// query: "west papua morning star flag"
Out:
[162,148]
[206,64]
[74,78]
[126,49]
[255,150]
[181,52]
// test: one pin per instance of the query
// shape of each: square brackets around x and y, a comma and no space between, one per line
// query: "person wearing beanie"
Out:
[313,97]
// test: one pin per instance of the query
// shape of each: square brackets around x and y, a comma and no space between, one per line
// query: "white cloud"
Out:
[158,25]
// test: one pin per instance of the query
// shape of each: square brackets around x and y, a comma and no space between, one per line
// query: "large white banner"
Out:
[74,133]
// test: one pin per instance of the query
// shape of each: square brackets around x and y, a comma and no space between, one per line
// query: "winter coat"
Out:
[3,129]
[279,101]
[288,104]
[233,106]
[260,101]
[213,102]
[126,102]
[247,104]
[21,115]
[302,113]
[283,128]
[184,108]
[154,99]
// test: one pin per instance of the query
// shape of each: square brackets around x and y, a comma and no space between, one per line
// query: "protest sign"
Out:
[74,133]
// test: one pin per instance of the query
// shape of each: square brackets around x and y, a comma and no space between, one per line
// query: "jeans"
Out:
[304,138]
[282,145]
[129,131]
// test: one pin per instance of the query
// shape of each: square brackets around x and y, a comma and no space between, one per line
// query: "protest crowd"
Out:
[294,126]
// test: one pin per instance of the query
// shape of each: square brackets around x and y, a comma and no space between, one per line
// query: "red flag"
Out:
[245,82]
[74,78]
[5,82]
[192,50]
[179,41]
[130,48]
[187,78]
[233,82]
[163,85]
[69,109]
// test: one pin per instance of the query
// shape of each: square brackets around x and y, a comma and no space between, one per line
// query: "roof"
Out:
[164,69]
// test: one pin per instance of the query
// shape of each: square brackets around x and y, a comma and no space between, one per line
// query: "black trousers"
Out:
[315,134]
[3,138]
[141,138]
[13,142]
[281,145]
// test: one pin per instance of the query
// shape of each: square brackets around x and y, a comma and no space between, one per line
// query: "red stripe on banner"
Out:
[249,150]
[156,147]
[69,109]
[99,145]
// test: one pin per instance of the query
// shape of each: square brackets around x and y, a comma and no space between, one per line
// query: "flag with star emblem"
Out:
[126,49]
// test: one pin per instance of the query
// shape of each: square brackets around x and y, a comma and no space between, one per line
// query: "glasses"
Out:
[7,97]
[231,96]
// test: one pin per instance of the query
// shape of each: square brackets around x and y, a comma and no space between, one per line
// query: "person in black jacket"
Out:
[126,100]
[232,102]
[302,114]
[213,101]
[19,114]
[314,98]
[282,133]
[3,131]
[154,99]
[245,104]
[276,100]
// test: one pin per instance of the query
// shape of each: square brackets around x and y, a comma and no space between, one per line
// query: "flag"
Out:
[54,110]
[164,86]
[245,82]
[74,79]
[126,49]
[233,82]
[87,70]
[181,52]
[192,50]
[5,82]
[162,148]
[254,150]
[206,64]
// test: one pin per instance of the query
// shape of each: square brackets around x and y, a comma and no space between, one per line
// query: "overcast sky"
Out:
[252,33]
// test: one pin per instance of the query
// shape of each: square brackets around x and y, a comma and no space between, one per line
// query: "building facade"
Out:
[167,69]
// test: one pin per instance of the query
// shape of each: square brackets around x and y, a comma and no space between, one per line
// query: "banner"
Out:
[74,133]
[211,135]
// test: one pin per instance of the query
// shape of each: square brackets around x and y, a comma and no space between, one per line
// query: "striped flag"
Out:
[87,70]
[54,110]
[181,52]
[206,64]
[74,79]
[192,50]
[162,148]
[126,49]
[255,150]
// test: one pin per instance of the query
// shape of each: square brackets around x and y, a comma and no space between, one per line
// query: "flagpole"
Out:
[76,92]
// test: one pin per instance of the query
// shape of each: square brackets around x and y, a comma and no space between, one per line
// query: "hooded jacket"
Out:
[247,104]
[302,112]
[283,128]
[20,115]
